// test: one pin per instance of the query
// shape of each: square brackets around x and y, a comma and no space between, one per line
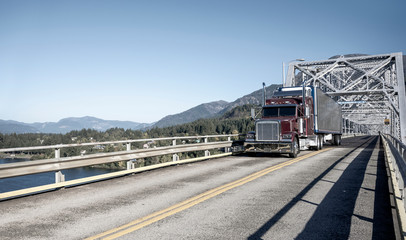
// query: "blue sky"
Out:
[143,60]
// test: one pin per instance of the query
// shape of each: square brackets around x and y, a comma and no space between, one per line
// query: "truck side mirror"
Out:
[253,113]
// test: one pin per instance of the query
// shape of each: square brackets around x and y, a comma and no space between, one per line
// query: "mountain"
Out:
[214,109]
[9,127]
[254,98]
[68,124]
[205,110]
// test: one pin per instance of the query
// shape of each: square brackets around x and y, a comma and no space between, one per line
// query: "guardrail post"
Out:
[59,177]
[401,188]
[206,140]
[57,153]
[174,142]
[397,174]
[175,157]
[206,153]
[229,138]
[131,164]
[128,146]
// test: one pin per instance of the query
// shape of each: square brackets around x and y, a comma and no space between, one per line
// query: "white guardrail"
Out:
[395,152]
[60,163]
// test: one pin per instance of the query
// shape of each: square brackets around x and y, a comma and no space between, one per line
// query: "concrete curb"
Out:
[400,208]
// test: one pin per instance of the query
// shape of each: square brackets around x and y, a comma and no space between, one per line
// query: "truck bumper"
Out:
[267,147]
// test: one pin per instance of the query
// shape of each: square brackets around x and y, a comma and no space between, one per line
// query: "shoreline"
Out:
[16,156]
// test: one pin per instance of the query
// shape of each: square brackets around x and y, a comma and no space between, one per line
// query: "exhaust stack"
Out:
[264,94]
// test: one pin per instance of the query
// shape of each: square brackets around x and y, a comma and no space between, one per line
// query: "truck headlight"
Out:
[287,136]
[250,136]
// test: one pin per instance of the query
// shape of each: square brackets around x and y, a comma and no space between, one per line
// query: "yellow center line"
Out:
[154,217]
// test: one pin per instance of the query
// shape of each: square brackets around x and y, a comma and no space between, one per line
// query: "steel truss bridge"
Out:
[371,89]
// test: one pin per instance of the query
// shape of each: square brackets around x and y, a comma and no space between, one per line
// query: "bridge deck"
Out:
[339,193]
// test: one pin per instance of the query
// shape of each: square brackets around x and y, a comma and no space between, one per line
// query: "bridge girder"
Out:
[369,88]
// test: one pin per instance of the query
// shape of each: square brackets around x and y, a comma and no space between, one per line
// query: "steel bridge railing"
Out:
[127,142]
[395,152]
[60,163]
[398,150]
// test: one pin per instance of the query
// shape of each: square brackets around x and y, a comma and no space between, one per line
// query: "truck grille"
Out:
[267,131]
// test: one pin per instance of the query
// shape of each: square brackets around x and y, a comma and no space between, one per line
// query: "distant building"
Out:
[99,147]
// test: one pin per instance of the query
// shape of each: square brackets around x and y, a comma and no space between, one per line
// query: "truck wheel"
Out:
[237,147]
[318,147]
[295,149]
[321,142]
[337,140]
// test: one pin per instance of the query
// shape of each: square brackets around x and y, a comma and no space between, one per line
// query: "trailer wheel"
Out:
[295,149]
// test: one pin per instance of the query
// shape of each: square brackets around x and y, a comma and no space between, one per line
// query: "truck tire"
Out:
[237,147]
[337,140]
[319,140]
[317,147]
[295,149]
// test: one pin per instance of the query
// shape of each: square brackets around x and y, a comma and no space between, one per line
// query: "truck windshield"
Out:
[279,111]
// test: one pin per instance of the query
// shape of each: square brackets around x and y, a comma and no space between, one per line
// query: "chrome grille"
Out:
[267,131]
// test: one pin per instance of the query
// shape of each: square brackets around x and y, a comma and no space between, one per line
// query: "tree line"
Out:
[235,121]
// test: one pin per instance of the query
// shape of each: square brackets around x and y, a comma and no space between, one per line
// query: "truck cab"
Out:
[277,130]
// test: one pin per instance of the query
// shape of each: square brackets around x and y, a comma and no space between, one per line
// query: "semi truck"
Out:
[295,119]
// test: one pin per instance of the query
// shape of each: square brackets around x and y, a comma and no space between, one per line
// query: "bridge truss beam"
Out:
[370,88]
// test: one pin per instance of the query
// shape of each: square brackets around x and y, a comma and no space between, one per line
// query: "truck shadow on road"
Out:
[332,218]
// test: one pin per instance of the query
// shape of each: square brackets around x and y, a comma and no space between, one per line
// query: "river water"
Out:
[34,180]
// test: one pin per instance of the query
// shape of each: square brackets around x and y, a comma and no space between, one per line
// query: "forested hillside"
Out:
[234,121]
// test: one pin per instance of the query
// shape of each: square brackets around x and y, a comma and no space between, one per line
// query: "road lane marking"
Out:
[159,215]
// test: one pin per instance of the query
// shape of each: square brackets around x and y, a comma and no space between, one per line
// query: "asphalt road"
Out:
[338,193]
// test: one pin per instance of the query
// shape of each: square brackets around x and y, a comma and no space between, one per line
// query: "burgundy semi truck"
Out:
[289,124]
